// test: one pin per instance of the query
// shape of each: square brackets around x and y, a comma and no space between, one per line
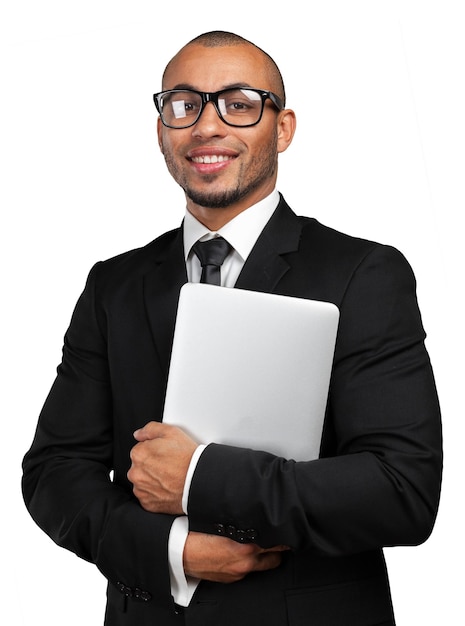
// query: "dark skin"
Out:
[159,465]
[161,457]
[250,171]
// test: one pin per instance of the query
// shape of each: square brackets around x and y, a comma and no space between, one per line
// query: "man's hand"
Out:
[159,466]
[223,560]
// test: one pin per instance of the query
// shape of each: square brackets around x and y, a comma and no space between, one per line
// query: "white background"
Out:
[378,88]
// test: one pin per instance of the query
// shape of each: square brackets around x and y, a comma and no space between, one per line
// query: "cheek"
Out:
[160,134]
[265,141]
[174,146]
[163,142]
[164,139]
[167,149]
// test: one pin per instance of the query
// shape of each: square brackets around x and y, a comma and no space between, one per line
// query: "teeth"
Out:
[214,158]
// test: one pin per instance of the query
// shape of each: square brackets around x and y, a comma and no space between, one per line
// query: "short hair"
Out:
[220,38]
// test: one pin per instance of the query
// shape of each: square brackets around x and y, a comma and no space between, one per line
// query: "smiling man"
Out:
[224,154]
[219,535]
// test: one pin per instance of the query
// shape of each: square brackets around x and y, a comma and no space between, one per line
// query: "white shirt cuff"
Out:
[182,586]
[190,473]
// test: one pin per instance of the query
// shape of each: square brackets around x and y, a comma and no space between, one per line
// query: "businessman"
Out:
[219,535]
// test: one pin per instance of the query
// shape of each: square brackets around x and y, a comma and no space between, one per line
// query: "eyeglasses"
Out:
[237,106]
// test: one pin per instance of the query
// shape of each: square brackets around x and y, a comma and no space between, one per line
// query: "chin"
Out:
[219,200]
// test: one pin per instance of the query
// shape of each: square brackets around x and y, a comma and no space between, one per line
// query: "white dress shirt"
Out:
[241,233]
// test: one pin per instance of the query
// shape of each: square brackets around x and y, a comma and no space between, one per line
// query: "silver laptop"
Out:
[251,369]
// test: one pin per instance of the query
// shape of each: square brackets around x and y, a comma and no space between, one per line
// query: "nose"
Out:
[209,123]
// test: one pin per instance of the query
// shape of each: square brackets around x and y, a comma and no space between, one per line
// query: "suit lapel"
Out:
[262,272]
[266,266]
[161,292]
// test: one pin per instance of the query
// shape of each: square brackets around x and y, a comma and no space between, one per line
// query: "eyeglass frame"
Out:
[212,96]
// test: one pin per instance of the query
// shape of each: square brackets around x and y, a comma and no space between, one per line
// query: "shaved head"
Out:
[220,38]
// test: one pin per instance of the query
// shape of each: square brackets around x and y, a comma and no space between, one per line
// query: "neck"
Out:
[215,218]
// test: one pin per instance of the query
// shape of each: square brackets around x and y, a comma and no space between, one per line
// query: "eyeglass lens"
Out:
[240,107]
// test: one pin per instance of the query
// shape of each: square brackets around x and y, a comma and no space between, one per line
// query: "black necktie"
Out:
[211,255]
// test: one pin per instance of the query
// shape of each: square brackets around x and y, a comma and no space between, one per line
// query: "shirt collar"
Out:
[241,232]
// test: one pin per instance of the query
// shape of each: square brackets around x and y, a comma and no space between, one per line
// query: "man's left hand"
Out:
[160,461]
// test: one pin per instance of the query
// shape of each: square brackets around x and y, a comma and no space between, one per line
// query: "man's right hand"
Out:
[220,559]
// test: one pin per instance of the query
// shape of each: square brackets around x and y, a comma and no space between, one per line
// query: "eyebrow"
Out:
[230,86]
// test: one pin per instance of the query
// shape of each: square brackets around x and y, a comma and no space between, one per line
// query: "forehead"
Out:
[211,69]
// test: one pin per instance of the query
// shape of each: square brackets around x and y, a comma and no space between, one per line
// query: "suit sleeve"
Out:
[377,481]
[66,480]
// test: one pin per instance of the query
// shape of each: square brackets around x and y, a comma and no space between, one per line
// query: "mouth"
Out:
[211,158]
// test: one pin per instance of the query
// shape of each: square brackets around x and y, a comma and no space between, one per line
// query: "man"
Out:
[224,535]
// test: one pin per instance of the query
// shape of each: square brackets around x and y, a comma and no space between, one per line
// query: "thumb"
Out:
[151,430]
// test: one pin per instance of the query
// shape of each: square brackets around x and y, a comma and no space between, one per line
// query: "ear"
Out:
[286,128]
[160,134]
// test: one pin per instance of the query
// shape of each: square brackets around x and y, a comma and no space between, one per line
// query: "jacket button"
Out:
[219,529]
[124,589]
[231,531]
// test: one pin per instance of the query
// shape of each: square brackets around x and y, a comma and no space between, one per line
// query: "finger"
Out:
[151,430]
[279,548]
[267,560]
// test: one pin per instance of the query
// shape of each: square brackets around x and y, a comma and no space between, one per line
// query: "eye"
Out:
[181,105]
[240,101]
[190,106]
[240,106]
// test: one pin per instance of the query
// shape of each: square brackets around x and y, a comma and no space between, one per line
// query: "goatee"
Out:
[219,200]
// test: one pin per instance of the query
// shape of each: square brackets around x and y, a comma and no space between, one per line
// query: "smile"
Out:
[211,158]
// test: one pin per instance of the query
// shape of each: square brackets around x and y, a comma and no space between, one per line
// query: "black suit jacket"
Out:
[376,483]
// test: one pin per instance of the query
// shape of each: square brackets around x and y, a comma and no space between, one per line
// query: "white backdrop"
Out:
[378,88]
